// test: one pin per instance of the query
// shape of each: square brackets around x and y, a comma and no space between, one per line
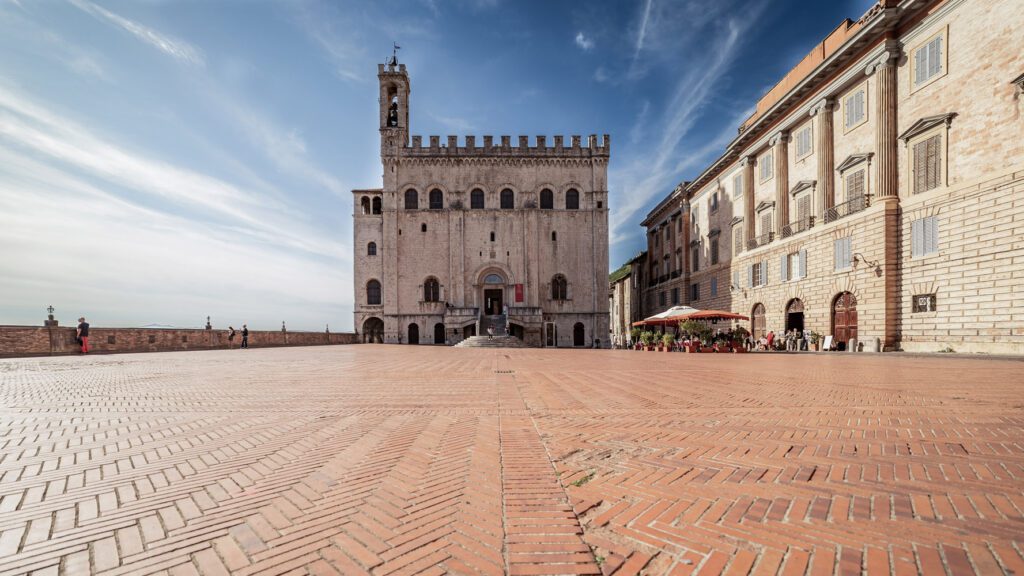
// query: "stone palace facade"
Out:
[876,194]
[490,232]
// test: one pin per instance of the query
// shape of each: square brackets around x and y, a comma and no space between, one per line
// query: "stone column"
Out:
[780,142]
[825,150]
[749,230]
[886,167]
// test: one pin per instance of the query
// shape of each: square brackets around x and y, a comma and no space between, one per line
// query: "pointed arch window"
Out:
[559,288]
[431,290]
[572,199]
[412,199]
[373,293]
[476,199]
[508,199]
[436,199]
[547,199]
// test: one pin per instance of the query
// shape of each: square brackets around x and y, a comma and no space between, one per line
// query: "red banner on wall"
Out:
[519,292]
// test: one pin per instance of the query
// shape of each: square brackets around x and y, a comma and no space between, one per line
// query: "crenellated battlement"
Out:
[503,147]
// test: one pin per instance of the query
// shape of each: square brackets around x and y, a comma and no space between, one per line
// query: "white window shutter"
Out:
[803,263]
[764,272]
[750,276]
[935,57]
[784,268]
[837,255]
[916,238]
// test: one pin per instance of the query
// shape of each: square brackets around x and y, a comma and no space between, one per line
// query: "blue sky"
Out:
[163,161]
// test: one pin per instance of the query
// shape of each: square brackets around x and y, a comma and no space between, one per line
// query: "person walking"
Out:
[231,336]
[82,334]
[245,336]
[771,340]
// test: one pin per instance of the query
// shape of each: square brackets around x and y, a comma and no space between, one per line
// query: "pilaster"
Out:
[748,164]
[825,151]
[781,157]
[886,169]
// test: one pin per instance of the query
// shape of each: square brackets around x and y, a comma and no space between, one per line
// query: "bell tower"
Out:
[394,107]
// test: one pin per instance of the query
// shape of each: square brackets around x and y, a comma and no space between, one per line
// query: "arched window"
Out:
[493,279]
[579,335]
[376,205]
[431,290]
[423,227]
[508,199]
[436,199]
[554,236]
[476,199]
[371,249]
[412,199]
[559,287]
[547,199]
[572,199]
[365,204]
[373,293]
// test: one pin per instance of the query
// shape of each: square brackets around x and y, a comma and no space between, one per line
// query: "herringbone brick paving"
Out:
[409,460]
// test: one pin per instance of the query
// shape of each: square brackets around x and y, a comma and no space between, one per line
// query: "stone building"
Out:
[624,307]
[876,194]
[493,233]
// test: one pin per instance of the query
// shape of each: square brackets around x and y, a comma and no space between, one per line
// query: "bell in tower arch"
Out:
[393,112]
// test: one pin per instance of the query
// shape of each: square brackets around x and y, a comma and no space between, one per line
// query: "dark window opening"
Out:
[554,236]
[492,236]
[431,290]
[508,199]
[547,199]
[376,205]
[559,288]
[373,293]
[412,199]
[476,199]
[572,199]
[371,249]
[436,199]
[423,227]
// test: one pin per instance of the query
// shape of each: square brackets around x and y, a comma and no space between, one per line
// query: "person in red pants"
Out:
[83,334]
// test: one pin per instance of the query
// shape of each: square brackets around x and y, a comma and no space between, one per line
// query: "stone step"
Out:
[487,342]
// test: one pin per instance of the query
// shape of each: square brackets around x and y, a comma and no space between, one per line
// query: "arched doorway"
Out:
[469,331]
[439,333]
[795,315]
[578,335]
[516,330]
[493,294]
[414,333]
[373,330]
[757,326]
[844,319]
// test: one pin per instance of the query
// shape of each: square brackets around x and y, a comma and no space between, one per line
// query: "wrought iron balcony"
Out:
[801,225]
[762,240]
[852,206]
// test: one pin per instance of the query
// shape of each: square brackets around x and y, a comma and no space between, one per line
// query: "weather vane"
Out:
[394,54]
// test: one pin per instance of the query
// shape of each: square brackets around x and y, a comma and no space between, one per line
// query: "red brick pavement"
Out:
[407,460]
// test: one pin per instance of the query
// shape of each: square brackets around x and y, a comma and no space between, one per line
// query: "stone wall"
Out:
[39,340]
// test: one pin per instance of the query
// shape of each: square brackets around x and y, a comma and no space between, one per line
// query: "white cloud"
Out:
[454,124]
[178,49]
[585,44]
[657,169]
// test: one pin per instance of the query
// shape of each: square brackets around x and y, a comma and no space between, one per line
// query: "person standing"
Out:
[245,336]
[231,336]
[771,340]
[82,334]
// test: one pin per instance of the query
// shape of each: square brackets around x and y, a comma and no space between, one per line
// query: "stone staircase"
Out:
[504,341]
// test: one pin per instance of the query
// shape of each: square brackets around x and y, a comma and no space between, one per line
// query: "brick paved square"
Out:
[402,460]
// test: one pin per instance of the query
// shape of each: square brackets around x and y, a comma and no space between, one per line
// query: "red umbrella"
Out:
[716,315]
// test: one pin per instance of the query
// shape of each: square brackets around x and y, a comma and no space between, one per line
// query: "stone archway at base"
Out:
[844,319]
[373,330]
[795,315]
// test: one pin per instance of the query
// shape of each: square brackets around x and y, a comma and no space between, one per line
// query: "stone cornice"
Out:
[823,105]
[854,159]
[764,205]
[736,220]
[1019,83]
[927,123]
[803,185]
[498,161]
[781,136]
[893,50]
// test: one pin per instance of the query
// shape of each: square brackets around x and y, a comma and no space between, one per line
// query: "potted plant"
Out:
[667,340]
[816,341]
[647,338]
[634,337]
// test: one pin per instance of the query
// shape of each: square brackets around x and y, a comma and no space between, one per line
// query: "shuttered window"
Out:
[764,272]
[737,240]
[843,253]
[694,292]
[737,185]
[766,223]
[714,286]
[714,250]
[735,279]
[802,259]
[928,61]
[924,236]
[855,109]
[765,165]
[855,185]
[803,207]
[927,164]
[803,142]
[784,268]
